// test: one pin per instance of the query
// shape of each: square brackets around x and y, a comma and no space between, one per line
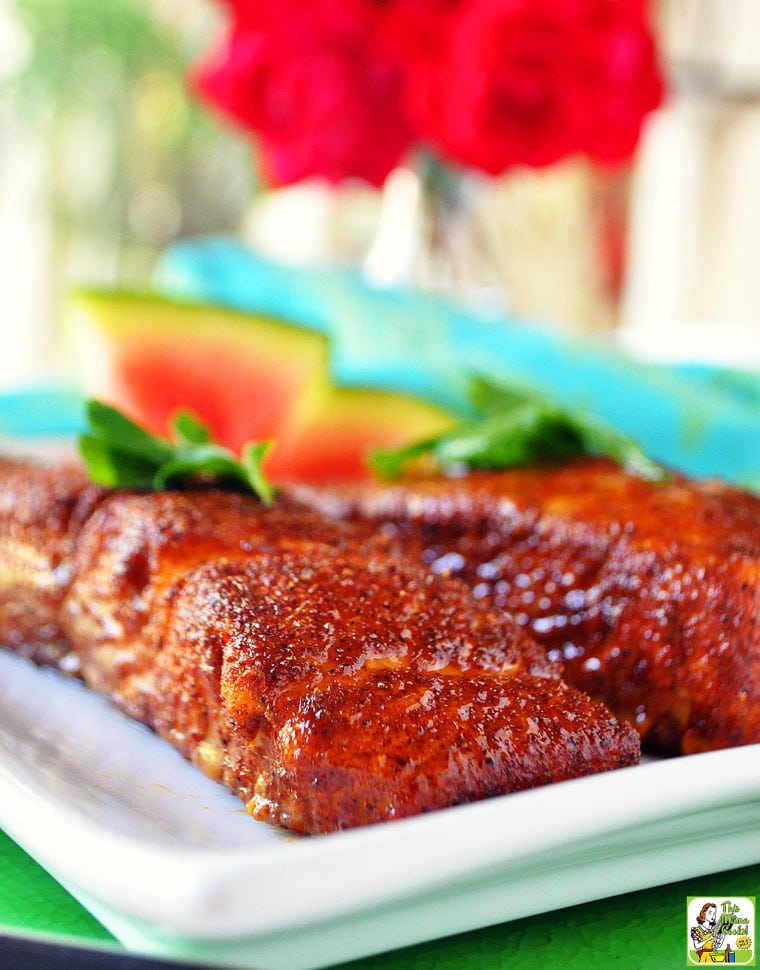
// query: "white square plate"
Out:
[171,863]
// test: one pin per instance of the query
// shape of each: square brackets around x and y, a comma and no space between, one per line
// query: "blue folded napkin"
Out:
[41,413]
[705,421]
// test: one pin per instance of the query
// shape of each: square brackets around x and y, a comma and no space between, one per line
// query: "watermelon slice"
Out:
[246,376]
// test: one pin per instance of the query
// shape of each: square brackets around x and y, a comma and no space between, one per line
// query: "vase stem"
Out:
[394,252]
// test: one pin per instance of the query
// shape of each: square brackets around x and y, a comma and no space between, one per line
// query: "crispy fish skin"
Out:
[42,509]
[128,557]
[326,681]
[332,689]
[648,593]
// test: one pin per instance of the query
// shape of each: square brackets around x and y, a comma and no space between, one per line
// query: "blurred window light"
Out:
[104,156]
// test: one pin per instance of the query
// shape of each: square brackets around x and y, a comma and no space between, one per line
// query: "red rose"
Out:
[623,78]
[341,88]
[525,82]
[418,30]
[313,81]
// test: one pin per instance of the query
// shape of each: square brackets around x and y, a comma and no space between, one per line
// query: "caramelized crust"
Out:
[649,594]
[333,690]
[42,509]
[131,552]
[328,682]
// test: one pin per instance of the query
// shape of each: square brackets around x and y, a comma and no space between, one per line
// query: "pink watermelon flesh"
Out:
[246,377]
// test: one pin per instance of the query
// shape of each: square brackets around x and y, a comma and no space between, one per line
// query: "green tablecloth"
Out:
[637,931]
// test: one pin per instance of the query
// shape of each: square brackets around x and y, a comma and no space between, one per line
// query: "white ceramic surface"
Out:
[173,865]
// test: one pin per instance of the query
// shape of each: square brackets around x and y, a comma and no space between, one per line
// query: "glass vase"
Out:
[546,246]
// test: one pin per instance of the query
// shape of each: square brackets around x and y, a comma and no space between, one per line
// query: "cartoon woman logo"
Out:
[708,936]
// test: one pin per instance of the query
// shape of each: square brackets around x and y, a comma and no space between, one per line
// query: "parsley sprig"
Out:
[517,426]
[119,453]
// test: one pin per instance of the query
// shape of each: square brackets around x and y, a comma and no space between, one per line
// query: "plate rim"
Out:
[479,836]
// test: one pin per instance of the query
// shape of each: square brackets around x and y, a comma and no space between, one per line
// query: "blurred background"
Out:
[106,160]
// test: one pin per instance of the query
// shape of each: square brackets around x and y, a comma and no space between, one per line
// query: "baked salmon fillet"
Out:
[323,678]
[648,594]
[42,510]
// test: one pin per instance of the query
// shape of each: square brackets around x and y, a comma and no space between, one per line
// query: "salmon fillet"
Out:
[648,594]
[316,673]
[42,510]
[340,690]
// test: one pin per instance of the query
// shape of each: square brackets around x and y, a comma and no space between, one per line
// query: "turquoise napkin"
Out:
[705,421]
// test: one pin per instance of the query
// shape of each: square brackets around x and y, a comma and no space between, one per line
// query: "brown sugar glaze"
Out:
[298,660]
[649,594]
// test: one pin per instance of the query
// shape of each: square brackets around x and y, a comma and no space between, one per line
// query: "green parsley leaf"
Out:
[516,427]
[118,453]
[253,458]
[112,427]
[188,430]
[113,468]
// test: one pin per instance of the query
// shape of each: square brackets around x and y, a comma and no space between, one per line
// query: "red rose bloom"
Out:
[623,79]
[342,88]
[312,80]
[525,82]
[418,30]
